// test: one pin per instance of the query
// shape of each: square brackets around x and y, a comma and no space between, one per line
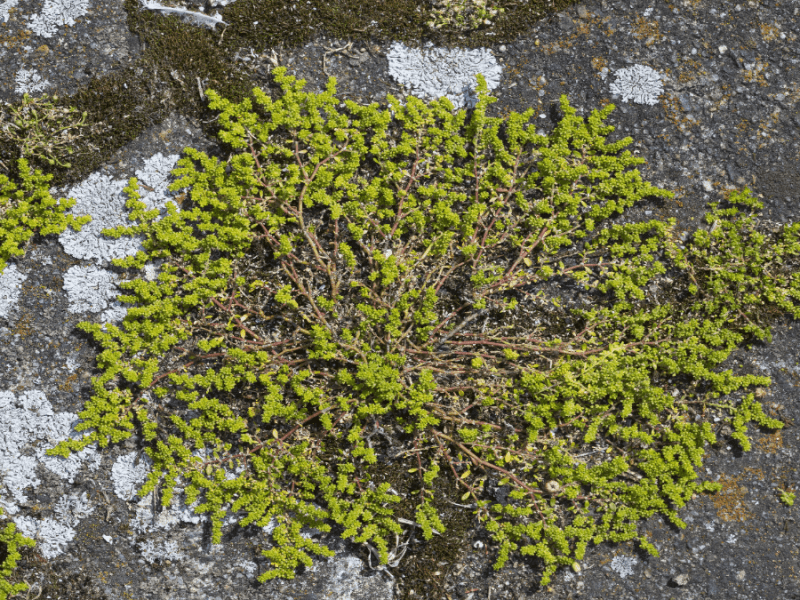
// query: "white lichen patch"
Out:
[93,289]
[27,421]
[431,73]
[28,427]
[29,80]
[56,14]
[638,83]
[50,535]
[166,550]
[343,577]
[103,198]
[151,270]
[127,473]
[72,509]
[5,8]
[10,288]
[623,565]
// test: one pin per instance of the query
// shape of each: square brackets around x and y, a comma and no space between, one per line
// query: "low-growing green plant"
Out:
[332,282]
[786,497]
[449,13]
[10,540]
[30,210]
[39,130]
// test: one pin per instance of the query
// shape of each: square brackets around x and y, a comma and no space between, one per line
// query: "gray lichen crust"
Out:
[322,307]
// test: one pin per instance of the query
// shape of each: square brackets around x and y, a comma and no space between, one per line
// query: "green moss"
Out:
[317,307]
[467,14]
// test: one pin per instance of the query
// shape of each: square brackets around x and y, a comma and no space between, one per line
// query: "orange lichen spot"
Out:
[643,29]
[599,63]
[729,501]
[67,385]
[770,443]
[23,326]
[770,33]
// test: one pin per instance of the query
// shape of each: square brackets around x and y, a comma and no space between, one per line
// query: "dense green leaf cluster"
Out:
[38,130]
[10,540]
[336,280]
[30,210]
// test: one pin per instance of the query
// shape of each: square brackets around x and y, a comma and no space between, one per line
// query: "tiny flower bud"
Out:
[552,487]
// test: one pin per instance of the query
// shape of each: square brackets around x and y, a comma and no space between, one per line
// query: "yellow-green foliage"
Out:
[30,210]
[786,497]
[11,540]
[316,303]
[37,135]
[449,12]
[137,95]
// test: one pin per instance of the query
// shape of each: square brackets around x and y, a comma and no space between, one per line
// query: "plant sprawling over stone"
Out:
[36,135]
[339,282]
[29,209]
[10,540]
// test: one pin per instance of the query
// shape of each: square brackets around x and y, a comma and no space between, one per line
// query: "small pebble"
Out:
[681,579]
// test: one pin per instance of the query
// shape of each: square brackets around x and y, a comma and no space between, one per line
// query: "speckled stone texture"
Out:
[708,92]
